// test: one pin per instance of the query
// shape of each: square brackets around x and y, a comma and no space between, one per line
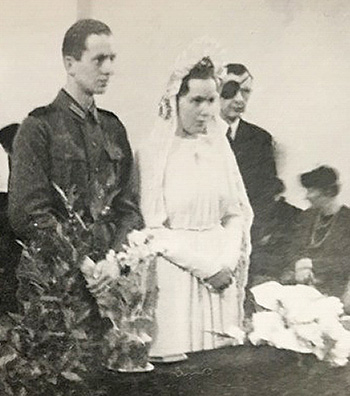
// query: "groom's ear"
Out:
[70,64]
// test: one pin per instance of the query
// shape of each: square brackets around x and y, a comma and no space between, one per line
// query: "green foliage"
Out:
[59,337]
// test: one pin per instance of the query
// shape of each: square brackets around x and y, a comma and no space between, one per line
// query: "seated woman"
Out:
[194,201]
[323,235]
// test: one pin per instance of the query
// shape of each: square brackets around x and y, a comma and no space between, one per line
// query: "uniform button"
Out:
[97,169]
[94,144]
[105,211]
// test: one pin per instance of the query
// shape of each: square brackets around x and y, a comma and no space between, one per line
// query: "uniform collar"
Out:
[92,110]
[66,101]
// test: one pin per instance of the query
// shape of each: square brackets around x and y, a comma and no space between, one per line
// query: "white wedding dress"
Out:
[197,199]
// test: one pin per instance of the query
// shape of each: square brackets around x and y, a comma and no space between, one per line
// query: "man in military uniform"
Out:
[75,145]
[71,149]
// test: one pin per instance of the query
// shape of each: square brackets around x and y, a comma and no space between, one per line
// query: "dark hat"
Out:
[322,178]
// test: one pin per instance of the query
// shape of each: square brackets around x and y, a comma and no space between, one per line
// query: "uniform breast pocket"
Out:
[68,170]
[114,169]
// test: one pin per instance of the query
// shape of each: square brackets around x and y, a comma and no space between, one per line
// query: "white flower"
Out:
[311,336]
[341,351]
[301,319]
[269,327]
[267,294]
[111,255]
[108,269]
[122,256]
[136,238]
[146,339]
[88,267]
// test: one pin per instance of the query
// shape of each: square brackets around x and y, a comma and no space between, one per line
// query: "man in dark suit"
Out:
[254,151]
[253,146]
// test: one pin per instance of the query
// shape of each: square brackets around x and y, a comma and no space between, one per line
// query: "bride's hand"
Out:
[221,280]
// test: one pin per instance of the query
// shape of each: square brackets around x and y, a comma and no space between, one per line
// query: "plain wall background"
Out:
[31,70]
[298,52]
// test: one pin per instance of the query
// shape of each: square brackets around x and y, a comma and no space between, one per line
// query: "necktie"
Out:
[228,135]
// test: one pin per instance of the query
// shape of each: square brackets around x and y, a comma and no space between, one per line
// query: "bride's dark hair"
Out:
[203,70]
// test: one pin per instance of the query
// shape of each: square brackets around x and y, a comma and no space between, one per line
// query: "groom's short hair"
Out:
[74,42]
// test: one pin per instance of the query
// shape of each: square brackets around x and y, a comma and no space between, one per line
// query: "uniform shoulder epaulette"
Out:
[106,112]
[40,111]
[111,116]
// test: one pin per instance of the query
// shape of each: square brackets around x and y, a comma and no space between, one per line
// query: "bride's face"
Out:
[197,107]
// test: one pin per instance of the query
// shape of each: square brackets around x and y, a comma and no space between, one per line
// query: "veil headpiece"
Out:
[153,156]
[202,50]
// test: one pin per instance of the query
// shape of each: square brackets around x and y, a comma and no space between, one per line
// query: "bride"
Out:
[194,202]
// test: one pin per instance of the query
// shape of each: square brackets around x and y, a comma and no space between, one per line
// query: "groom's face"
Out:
[197,107]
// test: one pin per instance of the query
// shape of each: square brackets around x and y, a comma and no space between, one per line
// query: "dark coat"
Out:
[10,252]
[254,151]
[273,225]
[330,257]
[62,144]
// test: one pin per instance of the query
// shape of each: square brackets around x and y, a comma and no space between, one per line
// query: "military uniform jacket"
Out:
[84,152]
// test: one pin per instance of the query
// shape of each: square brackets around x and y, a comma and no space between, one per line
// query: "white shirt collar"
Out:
[234,127]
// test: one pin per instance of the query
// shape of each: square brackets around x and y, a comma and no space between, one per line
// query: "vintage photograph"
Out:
[174,197]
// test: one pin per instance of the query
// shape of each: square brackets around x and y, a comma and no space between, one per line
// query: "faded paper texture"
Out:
[298,52]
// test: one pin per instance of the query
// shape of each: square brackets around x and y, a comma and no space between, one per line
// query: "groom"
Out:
[77,146]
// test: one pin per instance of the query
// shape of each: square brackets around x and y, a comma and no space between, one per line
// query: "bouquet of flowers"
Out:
[128,299]
[55,340]
[64,331]
[301,319]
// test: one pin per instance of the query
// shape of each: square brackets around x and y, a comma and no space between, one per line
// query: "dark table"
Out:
[237,371]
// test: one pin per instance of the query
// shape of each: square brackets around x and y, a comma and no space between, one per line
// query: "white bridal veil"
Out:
[152,158]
